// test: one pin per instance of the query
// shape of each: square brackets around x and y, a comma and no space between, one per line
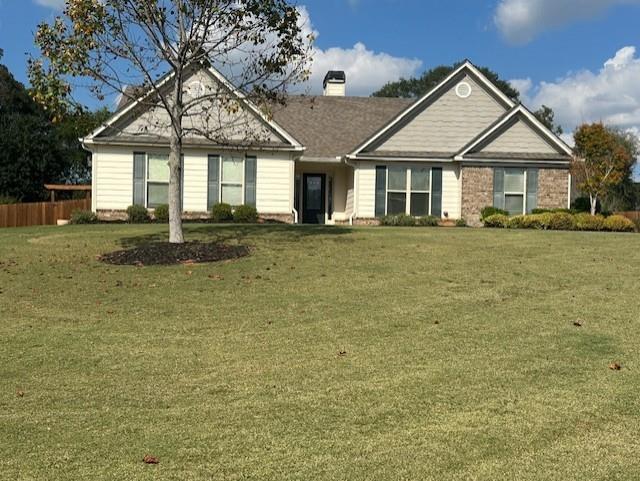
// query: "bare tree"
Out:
[259,46]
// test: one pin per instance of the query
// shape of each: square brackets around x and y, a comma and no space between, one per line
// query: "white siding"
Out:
[274,188]
[195,180]
[447,124]
[366,191]
[113,178]
[520,138]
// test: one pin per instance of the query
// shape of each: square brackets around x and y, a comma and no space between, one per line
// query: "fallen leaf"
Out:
[437,322]
[148,459]
[615,366]
[342,353]
[577,323]
[189,273]
[216,277]
[20,393]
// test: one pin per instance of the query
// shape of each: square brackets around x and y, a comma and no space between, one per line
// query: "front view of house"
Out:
[334,159]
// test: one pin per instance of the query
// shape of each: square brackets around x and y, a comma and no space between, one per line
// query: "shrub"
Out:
[562,221]
[245,214]
[221,212]
[619,223]
[516,222]
[461,223]
[7,199]
[496,220]
[83,217]
[137,214]
[586,221]
[161,213]
[399,220]
[582,204]
[537,221]
[427,221]
[553,211]
[489,211]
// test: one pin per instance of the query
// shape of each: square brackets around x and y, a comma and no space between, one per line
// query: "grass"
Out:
[460,360]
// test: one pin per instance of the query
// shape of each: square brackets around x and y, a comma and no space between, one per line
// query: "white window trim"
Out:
[523,193]
[146,177]
[408,190]
[221,183]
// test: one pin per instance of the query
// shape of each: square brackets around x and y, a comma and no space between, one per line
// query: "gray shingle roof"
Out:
[334,126]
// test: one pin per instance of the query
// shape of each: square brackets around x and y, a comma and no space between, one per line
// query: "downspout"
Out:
[293,195]
[355,190]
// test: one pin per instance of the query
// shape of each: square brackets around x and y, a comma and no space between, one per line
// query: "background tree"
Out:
[602,161]
[625,195]
[257,44]
[417,87]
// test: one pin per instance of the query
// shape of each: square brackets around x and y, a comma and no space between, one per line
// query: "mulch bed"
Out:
[164,253]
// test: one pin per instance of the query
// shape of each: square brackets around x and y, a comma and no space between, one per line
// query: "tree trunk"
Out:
[594,204]
[175,189]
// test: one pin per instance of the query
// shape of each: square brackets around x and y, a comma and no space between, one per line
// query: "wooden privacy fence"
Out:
[40,213]
[633,215]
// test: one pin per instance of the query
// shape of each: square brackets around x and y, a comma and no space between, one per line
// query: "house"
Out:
[336,159]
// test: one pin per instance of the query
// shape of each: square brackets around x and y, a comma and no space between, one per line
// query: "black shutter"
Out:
[381,190]
[498,187]
[250,173]
[532,189]
[213,192]
[436,191]
[139,174]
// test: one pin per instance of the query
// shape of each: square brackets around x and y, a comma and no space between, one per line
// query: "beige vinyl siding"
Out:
[366,190]
[195,181]
[519,138]
[113,178]
[274,180]
[448,124]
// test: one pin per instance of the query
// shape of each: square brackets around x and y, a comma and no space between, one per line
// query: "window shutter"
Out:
[498,187]
[250,174]
[213,193]
[532,189]
[139,174]
[381,190]
[436,191]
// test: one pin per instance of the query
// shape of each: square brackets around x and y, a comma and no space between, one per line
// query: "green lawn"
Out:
[462,361]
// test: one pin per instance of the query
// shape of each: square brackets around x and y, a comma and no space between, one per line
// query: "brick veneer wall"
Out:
[477,192]
[120,215]
[553,188]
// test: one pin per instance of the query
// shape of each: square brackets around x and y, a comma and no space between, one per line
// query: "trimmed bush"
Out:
[516,222]
[553,211]
[582,204]
[427,221]
[245,214]
[490,210]
[83,217]
[588,222]
[161,213]
[496,221]
[137,214]
[562,221]
[7,199]
[400,220]
[221,212]
[619,223]
[461,223]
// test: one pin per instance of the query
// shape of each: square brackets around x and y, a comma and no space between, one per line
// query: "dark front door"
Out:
[313,205]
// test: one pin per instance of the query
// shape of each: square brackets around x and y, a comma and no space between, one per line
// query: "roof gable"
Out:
[517,134]
[446,118]
[226,117]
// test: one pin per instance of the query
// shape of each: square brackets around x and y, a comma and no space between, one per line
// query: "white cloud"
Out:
[521,20]
[57,4]
[366,70]
[610,95]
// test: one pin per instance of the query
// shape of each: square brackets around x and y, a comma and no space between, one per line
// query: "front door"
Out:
[313,202]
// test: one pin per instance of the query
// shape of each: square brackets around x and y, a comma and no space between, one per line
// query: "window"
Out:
[397,190]
[514,191]
[420,187]
[231,181]
[157,180]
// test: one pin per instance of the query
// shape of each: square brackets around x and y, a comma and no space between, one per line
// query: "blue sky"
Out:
[581,57]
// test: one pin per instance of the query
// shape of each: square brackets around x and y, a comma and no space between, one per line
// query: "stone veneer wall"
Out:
[477,192]
[553,188]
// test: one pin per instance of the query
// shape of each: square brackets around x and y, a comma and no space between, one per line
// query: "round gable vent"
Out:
[463,90]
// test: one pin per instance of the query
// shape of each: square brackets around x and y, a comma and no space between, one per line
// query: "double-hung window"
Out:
[515,189]
[232,180]
[157,180]
[414,190]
